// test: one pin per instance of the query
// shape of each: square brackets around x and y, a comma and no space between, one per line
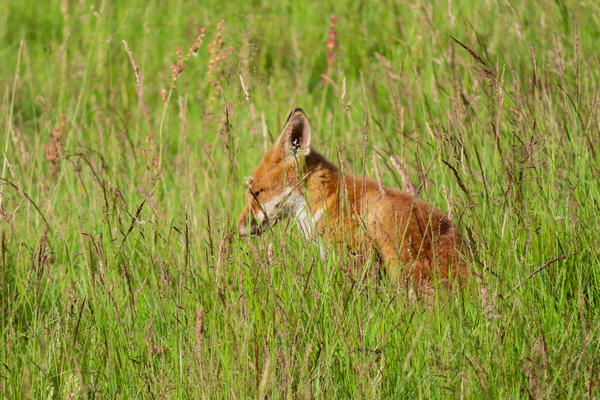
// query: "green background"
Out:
[121,272]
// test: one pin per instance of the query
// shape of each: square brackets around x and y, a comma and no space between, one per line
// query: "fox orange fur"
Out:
[292,179]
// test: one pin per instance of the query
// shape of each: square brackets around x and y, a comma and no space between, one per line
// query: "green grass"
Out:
[121,273]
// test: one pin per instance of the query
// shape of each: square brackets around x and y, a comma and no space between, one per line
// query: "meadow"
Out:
[128,128]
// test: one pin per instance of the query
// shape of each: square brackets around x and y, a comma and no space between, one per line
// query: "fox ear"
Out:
[295,138]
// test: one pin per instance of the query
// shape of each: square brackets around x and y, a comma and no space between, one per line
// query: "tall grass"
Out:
[128,128]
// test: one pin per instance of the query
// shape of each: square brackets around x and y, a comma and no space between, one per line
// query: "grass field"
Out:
[122,275]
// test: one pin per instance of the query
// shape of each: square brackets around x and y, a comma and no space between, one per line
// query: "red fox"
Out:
[412,237]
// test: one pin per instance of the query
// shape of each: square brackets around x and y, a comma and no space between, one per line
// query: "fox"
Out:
[414,239]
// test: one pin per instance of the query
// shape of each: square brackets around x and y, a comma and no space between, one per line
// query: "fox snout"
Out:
[248,224]
[250,228]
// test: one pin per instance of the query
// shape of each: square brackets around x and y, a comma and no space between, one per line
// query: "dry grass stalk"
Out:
[265,131]
[264,379]
[406,183]
[53,149]
[225,133]
[216,54]
[378,175]
[558,53]
[199,331]
[244,89]
[151,155]
[222,257]
[471,52]
[138,76]
[448,197]
[536,368]
[270,255]
[346,103]
[9,122]
[488,303]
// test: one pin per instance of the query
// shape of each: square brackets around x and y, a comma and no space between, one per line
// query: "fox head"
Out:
[274,189]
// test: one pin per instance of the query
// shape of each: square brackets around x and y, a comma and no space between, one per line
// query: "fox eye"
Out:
[255,193]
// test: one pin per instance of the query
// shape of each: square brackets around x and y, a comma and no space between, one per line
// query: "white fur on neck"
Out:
[318,215]
[294,205]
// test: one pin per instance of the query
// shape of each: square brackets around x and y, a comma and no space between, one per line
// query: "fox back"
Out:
[413,238]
